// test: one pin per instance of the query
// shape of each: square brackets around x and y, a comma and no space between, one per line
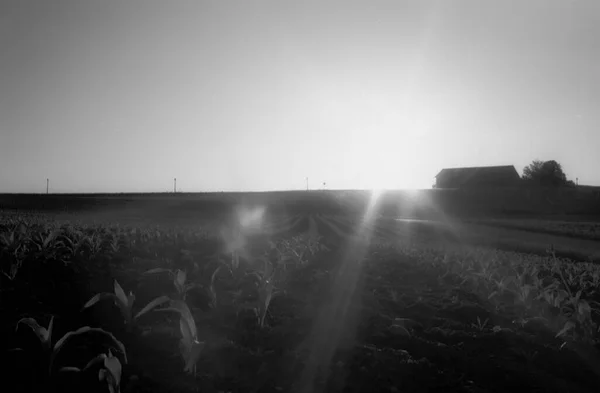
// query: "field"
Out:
[296,292]
[574,229]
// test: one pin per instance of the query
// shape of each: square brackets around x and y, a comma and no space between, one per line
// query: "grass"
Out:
[382,307]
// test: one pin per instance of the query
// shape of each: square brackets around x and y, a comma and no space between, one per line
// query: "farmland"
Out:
[288,292]
[575,229]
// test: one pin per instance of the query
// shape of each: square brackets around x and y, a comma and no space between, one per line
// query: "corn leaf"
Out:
[192,357]
[111,373]
[152,305]
[49,332]
[42,333]
[120,293]
[189,346]
[51,236]
[568,326]
[191,286]
[96,360]
[157,270]
[182,308]
[84,330]
[186,333]
[69,370]
[101,296]
[180,278]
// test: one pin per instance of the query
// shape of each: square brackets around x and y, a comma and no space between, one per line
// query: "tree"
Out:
[545,173]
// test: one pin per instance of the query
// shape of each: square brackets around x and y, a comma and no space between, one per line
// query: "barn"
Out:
[485,176]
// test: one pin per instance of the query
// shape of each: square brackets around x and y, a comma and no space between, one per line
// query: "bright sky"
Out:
[111,96]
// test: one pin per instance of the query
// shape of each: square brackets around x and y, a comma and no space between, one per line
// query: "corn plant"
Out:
[296,250]
[480,325]
[116,344]
[525,295]
[501,286]
[47,244]
[266,290]
[14,264]
[114,244]
[95,243]
[578,313]
[44,335]
[125,303]
[75,243]
[15,246]
[553,296]
[110,370]
[179,278]
[189,346]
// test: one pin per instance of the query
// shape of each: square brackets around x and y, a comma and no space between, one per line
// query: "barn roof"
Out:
[463,174]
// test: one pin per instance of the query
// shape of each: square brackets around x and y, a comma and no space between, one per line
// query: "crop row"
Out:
[556,293]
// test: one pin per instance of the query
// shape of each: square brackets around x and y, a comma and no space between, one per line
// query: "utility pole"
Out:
[47,185]
[576,181]
[307,184]
[174,185]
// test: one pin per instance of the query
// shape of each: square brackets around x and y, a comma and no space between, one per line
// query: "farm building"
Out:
[490,176]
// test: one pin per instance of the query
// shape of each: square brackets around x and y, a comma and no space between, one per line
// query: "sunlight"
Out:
[376,193]
[246,221]
[250,218]
[337,319]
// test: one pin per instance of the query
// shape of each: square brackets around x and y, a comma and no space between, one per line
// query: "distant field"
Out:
[575,237]
[581,204]
[279,286]
[581,230]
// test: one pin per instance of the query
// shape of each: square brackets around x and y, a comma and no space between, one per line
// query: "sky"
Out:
[125,96]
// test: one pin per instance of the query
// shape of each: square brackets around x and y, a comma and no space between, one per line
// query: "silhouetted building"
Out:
[486,176]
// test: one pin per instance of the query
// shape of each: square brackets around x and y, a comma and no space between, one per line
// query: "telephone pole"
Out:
[307,184]
[47,185]
[174,185]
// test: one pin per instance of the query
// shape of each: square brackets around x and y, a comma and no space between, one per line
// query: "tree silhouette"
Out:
[545,173]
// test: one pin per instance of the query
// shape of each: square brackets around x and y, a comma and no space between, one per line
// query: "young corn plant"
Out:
[109,372]
[52,350]
[43,334]
[75,243]
[501,286]
[14,249]
[480,325]
[60,344]
[266,291]
[47,245]
[578,315]
[576,311]
[189,346]
[125,303]
[179,278]
[114,244]
[95,243]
